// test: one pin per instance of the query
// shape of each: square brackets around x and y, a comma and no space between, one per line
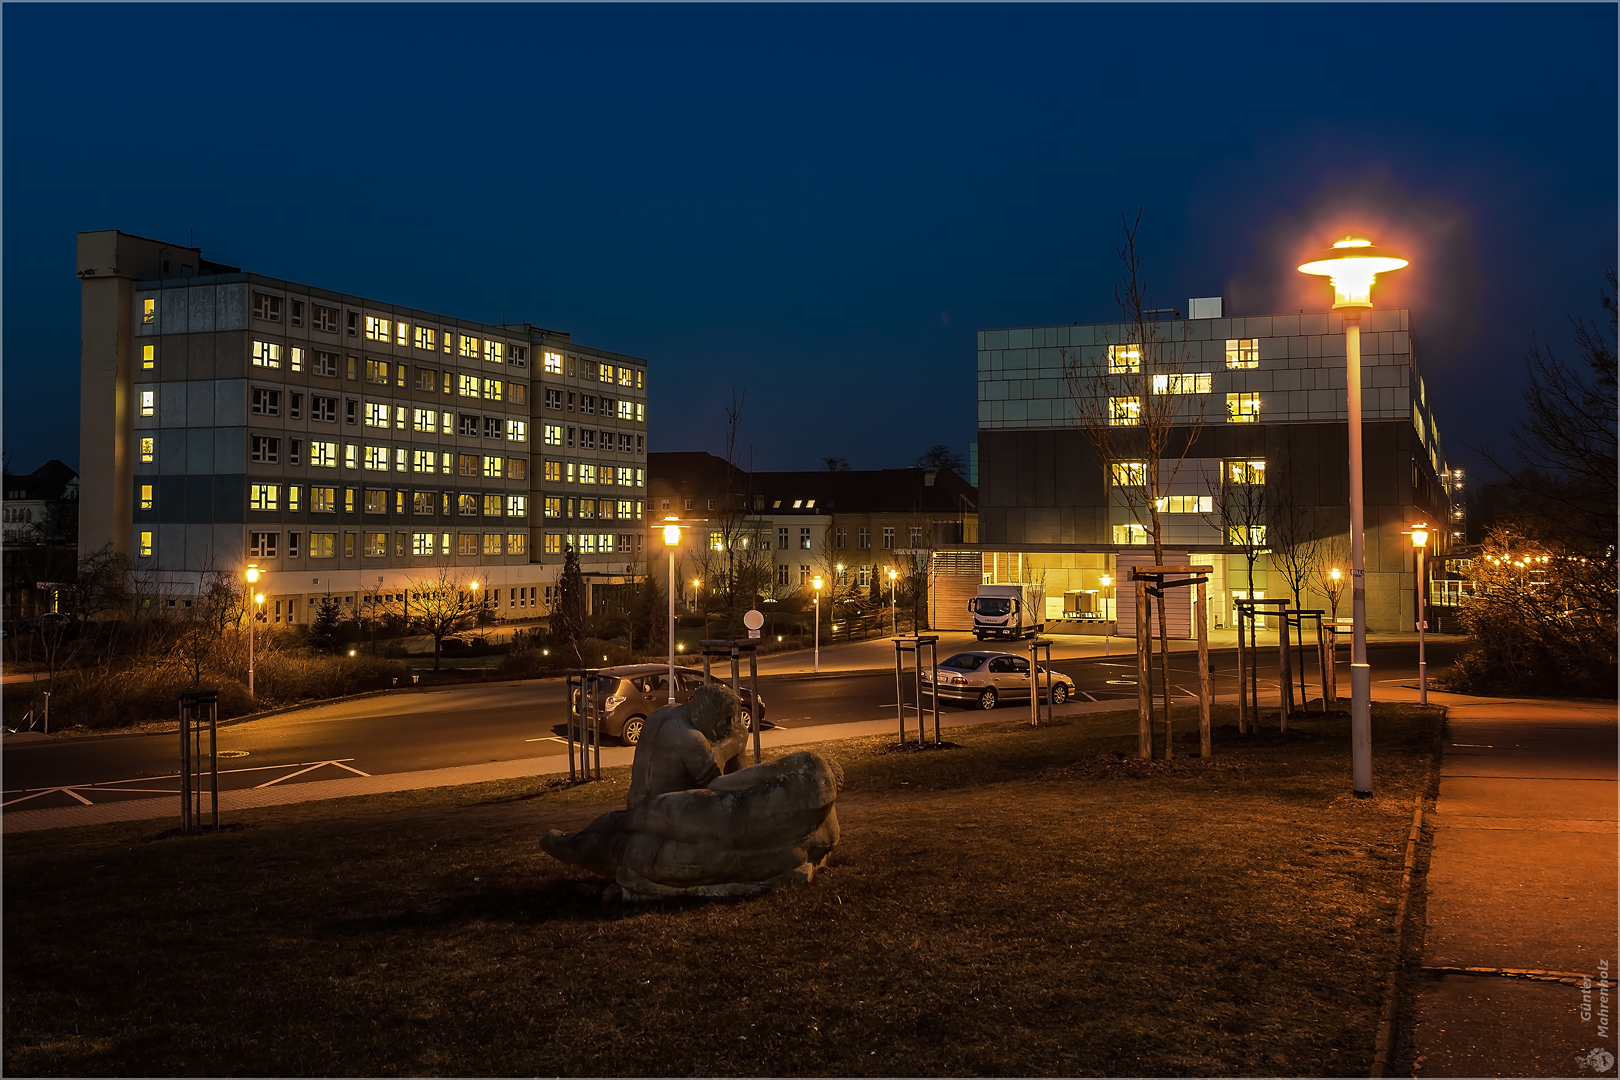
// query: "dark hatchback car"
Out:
[628,695]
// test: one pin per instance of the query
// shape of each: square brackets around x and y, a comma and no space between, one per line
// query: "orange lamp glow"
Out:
[1351,265]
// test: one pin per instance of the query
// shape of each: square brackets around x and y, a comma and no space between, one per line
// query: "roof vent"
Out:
[1204,307]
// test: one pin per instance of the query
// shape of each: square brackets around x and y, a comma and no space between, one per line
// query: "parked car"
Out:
[627,695]
[988,678]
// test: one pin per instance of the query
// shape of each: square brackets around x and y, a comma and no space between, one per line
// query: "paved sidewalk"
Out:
[1521,884]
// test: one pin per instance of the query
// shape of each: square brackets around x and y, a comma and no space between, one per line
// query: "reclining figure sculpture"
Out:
[696,824]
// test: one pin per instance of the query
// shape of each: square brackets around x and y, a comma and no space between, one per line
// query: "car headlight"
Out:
[614,702]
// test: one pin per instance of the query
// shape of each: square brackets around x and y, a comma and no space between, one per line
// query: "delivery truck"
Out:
[1008,611]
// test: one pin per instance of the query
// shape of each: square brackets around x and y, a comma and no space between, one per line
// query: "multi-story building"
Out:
[346,446]
[1263,402]
[849,527]
[41,534]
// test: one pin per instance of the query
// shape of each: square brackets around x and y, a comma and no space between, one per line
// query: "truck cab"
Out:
[1006,611]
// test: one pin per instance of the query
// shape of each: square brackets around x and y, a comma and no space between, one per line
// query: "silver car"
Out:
[989,678]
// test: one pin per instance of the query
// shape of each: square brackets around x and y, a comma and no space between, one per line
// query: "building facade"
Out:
[346,446]
[1259,406]
[41,539]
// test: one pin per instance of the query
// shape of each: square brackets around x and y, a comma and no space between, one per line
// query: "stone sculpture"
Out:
[696,824]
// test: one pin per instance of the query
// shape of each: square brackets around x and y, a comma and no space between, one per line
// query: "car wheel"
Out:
[632,730]
[1060,694]
[987,699]
[747,718]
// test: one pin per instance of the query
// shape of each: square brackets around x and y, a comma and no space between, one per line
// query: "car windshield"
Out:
[994,605]
[963,662]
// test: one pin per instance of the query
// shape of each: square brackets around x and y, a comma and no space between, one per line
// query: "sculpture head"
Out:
[712,708]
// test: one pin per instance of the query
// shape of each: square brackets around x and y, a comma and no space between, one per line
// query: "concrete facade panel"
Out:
[199,452]
[230,401]
[171,406]
[201,307]
[172,312]
[231,307]
[199,403]
[230,449]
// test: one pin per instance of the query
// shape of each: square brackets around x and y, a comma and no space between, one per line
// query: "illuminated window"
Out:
[148,451]
[424,461]
[146,537]
[1130,534]
[1245,472]
[146,497]
[376,458]
[323,455]
[553,364]
[1186,504]
[517,431]
[422,503]
[627,410]
[293,491]
[624,509]
[376,414]
[492,506]
[517,468]
[492,543]
[266,354]
[321,545]
[148,357]
[377,371]
[553,435]
[587,473]
[494,352]
[493,466]
[467,544]
[467,464]
[295,360]
[517,506]
[1130,473]
[264,496]
[377,329]
[1256,536]
[1124,411]
[604,372]
[1242,352]
[148,315]
[1124,359]
[494,389]
[148,402]
[323,500]
[1190,383]
[422,543]
[467,505]
[468,385]
[401,337]
[553,543]
[1242,408]
[376,544]
[553,506]
[425,420]
[641,412]
[469,347]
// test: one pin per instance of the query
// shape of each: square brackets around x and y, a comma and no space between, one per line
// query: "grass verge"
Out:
[1028,902]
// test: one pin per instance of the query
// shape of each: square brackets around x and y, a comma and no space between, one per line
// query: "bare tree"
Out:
[442,606]
[1297,555]
[1238,511]
[941,456]
[736,558]
[1142,410]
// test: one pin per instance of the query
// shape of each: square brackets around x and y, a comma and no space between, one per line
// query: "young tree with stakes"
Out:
[1142,410]
[442,606]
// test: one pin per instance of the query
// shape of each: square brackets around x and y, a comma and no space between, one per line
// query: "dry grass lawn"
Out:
[1027,902]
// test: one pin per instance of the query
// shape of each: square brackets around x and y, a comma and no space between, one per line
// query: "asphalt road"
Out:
[466,725]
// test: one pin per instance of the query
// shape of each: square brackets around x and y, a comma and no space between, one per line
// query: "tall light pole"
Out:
[672,539]
[816,581]
[252,576]
[894,620]
[1420,541]
[1351,265]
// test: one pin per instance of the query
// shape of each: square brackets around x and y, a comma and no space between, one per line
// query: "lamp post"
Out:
[1108,639]
[252,576]
[672,538]
[816,581]
[1420,541]
[1351,265]
[894,620]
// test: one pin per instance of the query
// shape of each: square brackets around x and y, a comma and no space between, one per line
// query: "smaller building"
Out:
[41,530]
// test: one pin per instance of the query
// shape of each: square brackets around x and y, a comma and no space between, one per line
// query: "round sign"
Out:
[753,619]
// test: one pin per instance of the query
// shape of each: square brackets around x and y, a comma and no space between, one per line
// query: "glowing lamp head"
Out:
[258,598]
[893,574]
[1351,264]
[672,535]
[351,652]
[1335,573]
[252,574]
[1420,536]
[817,582]
[475,584]
[1106,581]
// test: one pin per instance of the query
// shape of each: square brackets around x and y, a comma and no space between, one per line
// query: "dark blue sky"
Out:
[819,205]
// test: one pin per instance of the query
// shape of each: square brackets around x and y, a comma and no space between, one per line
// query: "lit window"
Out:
[517,431]
[351,456]
[553,543]
[554,435]
[376,329]
[146,497]
[424,461]
[1242,352]
[627,376]
[517,468]
[641,412]
[1124,411]
[469,347]
[517,506]
[1130,473]
[493,466]
[494,389]
[148,402]
[1190,383]
[321,545]
[1130,534]
[604,372]
[323,500]
[468,385]
[148,315]
[1186,504]
[467,505]
[323,455]
[1242,408]
[266,354]
[492,506]
[1256,536]
[553,506]
[1124,359]
[146,537]
[377,458]
[376,544]
[627,410]
[148,451]
[492,543]
[401,334]
[516,543]
[467,544]
[148,357]
[422,542]
[425,420]
[376,414]
[292,496]
[1246,472]
[377,371]
[587,473]
[494,352]
[553,367]
[296,359]
[264,496]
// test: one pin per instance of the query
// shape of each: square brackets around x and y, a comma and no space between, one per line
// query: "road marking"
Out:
[1088,695]
[547,738]
[311,768]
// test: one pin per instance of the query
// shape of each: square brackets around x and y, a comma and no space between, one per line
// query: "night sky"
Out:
[818,206]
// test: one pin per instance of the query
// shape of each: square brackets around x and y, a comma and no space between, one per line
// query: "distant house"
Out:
[41,530]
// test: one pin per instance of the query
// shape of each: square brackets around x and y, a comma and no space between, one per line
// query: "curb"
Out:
[1386,1017]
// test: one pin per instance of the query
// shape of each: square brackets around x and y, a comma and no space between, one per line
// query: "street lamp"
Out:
[816,581]
[1351,265]
[1108,638]
[893,618]
[1420,541]
[672,538]
[252,576]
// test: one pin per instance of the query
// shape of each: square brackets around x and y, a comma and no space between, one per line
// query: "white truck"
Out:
[1008,611]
